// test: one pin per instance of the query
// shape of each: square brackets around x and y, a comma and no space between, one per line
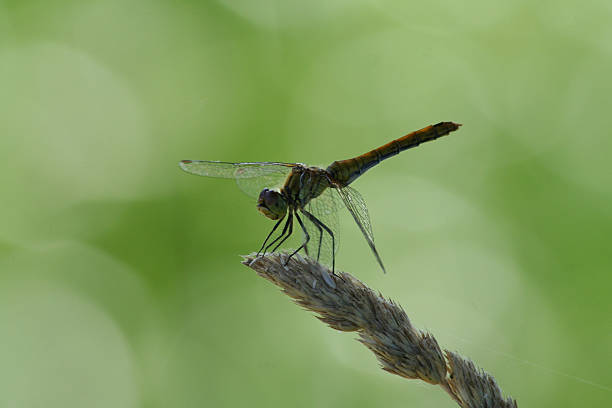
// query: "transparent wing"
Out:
[357,207]
[325,209]
[251,177]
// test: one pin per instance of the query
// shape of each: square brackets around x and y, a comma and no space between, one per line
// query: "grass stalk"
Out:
[346,304]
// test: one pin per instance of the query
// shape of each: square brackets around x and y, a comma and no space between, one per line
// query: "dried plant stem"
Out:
[346,304]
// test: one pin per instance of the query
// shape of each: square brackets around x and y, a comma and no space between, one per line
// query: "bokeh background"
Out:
[120,276]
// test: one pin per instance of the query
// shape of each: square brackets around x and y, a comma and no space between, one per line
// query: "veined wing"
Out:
[251,177]
[234,170]
[357,207]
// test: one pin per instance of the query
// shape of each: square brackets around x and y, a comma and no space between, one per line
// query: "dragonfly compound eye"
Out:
[272,204]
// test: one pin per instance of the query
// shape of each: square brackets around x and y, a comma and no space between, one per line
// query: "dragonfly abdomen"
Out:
[346,171]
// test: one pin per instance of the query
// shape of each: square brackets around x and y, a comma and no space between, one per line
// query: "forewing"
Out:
[357,207]
[251,177]
[325,209]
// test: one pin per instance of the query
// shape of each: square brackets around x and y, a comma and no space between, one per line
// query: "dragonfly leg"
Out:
[269,235]
[320,225]
[265,249]
[288,224]
[306,238]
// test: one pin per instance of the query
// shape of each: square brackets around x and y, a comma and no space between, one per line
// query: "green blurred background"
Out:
[121,284]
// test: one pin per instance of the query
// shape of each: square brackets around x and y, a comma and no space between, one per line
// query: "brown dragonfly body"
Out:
[346,171]
[303,185]
[306,183]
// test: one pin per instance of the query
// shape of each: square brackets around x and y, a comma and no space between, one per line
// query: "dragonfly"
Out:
[312,195]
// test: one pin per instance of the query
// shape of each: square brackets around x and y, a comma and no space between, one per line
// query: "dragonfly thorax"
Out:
[304,184]
[272,204]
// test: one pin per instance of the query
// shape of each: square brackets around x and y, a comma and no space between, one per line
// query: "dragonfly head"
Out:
[272,204]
